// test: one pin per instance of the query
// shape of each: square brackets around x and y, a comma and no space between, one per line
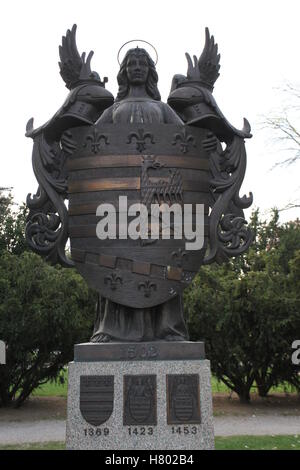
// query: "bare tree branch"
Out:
[285,127]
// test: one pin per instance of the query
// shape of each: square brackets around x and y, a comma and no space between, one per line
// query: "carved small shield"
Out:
[139,400]
[183,399]
[140,408]
[96,398]
[183,407]
[157,164]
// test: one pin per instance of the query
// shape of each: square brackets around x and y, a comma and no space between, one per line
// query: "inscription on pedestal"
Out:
[140,400]
[96,398]
[139,351]
[183,403]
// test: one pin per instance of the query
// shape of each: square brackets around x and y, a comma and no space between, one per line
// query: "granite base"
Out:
[144,403]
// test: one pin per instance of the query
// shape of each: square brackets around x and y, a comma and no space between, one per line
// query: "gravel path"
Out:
[54,430]
[32,431]
[256,425]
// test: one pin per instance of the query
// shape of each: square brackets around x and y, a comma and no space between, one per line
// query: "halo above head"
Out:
[136,41]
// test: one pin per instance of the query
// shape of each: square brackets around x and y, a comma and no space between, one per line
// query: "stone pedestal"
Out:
[140,396]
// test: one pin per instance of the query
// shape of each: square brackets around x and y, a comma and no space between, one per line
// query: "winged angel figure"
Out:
[90,110]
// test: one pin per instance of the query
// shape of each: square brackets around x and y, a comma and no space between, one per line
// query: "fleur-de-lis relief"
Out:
[179,256]
[147,286]
[95,139]
[184,140]
[140,137]
[113,279]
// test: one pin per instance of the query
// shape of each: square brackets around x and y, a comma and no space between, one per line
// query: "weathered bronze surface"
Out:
[146,351]
[97,148]
[120,161]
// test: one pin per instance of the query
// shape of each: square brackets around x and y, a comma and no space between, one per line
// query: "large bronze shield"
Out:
[151,164]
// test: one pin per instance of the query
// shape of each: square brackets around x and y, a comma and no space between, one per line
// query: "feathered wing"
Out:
[70,61]
[209,61]
[196,89]
[47,227]
[206,69]
[73,67]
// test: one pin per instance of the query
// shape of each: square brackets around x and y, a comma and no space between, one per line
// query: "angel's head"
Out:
[137,68]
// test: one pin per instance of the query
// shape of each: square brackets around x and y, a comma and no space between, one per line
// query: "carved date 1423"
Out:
[140,431]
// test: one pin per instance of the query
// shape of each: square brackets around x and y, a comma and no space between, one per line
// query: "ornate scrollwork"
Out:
[228,235]
[47,225]
[234,235]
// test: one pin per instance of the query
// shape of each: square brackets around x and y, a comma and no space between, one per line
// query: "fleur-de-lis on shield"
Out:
[140,136]
[179,256]
[113,279]
[147,286]
[95,138]
[184,140]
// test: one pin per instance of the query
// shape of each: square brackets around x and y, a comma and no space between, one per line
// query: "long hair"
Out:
[152,79]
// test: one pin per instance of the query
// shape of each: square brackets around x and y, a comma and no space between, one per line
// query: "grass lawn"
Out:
[53,389]
[258,443]
[37,446]
[222,443]
[61,390]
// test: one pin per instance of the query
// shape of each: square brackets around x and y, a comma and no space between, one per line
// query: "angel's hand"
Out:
[210,144]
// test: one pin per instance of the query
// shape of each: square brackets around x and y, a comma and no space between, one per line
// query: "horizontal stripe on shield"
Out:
[151,264]
[102,184]
[137,267]
[87,231]
[86,213]
[77,207]
[108,184]
[120,161]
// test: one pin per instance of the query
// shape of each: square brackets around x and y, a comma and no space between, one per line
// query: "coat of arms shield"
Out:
[162,165]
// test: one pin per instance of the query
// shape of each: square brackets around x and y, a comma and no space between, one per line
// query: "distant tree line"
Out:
[44,311]
[247,310]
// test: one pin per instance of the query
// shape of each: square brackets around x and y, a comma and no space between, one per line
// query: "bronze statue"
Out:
[96,149]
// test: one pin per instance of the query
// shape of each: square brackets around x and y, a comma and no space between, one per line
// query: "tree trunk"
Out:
[244,395]
[263,385]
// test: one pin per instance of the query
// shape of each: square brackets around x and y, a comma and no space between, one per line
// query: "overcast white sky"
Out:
[259,42]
